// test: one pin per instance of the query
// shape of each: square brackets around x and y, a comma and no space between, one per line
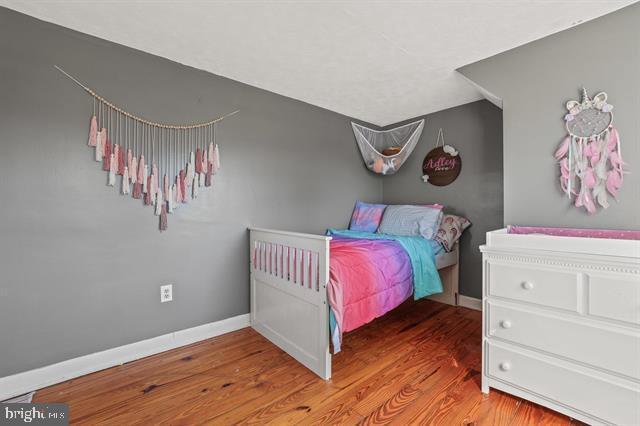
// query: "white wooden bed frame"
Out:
[289,304]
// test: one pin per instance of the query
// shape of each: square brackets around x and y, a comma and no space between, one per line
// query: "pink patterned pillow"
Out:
[451,229]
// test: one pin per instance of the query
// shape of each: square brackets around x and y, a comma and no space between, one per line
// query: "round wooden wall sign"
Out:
[440,168]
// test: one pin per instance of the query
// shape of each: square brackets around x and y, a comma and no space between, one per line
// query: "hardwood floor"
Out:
[418,364]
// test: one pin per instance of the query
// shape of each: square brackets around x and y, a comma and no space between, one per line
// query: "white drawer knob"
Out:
[505,324]
[527,285]
[505,366]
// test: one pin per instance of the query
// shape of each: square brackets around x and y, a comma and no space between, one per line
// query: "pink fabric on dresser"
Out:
[575,232]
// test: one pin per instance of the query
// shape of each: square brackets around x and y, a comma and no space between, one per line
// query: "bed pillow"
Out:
[366,217]
[450,230]
[411,221]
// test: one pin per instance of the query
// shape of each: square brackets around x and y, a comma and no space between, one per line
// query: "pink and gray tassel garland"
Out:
[106,160]
[204,168]
[125,181]
[100,147]
[164,165]
[198,162]
[163,218]
[171,198]
[190,171]
[137,191]
[121,161]
[145,179]
[210,153]
[175,204]
[112,171]
[183,187]
[147,194]
[101,140]
[158,203]
[114,161]
[129,159]
[155,187]
[133,170]
[178,194]
[216,159]
[136,178]
[127,167]
[207,179]
[165,187]
[93,130]
[141,173]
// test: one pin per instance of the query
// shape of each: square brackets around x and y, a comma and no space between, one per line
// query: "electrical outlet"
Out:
[166,293]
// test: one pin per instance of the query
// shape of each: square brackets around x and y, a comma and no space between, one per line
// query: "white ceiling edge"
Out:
[381,62]
[494,99]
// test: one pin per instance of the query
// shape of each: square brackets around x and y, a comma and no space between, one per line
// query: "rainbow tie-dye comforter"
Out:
[370,274]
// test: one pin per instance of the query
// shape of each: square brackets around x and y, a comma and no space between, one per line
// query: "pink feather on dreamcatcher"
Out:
[591,166]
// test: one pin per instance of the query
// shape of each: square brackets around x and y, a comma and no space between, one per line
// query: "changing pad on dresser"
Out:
[575,232]
[502,239]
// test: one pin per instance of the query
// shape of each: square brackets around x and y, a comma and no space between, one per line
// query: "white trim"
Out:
[469,302]
[39,378]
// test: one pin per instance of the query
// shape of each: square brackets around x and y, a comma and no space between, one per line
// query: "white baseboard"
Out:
[39,378]
[469,302]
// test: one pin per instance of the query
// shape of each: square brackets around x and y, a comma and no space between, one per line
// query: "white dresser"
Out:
[561,324]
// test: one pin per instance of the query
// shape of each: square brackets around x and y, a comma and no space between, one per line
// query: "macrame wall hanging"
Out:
[384,151]
[163,165]
[441,165]
[590,160]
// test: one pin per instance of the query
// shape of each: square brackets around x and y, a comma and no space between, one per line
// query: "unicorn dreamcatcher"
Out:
[162,165]
[591,165]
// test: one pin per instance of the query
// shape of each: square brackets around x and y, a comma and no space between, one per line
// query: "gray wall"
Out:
[535,81]
[475,130]
[81,266]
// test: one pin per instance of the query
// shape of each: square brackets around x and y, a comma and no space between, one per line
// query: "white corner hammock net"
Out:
[385,151]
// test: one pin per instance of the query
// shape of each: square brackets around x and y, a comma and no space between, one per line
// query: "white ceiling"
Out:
[378,61]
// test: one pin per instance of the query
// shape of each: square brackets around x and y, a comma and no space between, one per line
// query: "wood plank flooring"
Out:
[419,364]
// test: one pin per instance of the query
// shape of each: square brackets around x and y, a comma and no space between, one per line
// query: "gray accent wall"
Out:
[80,265]
[474,129]
[535,81]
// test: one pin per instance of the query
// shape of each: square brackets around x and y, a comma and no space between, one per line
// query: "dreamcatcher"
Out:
[162,165]
[591,164]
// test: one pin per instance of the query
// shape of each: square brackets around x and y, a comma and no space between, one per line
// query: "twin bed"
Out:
[306,290]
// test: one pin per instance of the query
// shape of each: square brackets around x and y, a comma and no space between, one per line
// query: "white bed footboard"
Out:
[289,306]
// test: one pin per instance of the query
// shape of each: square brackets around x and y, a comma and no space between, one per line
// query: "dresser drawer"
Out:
[614,296]
[546,287]
[584,341]
[574,387]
